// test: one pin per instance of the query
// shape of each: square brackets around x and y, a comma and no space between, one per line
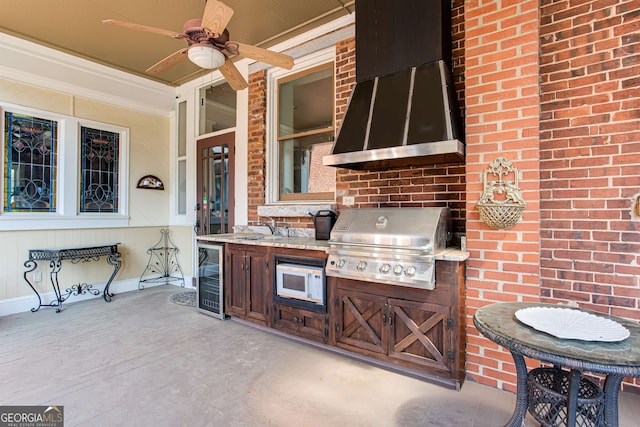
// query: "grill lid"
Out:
[423,229]
[396,246]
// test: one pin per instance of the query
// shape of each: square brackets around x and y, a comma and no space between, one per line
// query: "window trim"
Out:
[275,76]
[68,214]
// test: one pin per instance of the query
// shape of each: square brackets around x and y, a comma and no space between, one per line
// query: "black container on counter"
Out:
[323,222]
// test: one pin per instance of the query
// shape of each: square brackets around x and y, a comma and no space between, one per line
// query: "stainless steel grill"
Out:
[395,246]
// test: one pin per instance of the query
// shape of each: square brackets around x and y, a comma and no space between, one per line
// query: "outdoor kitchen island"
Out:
[418,332]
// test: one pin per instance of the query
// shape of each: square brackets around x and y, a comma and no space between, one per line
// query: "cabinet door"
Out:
[359,321]
[235,286]
[419,333]
[304,323]
[258,288]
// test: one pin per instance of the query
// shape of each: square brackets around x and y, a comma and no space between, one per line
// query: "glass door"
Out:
[215,185]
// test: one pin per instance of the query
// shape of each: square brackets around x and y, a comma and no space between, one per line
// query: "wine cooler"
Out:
[210,279]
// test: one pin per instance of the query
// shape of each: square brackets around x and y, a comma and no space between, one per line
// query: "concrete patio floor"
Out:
[142,360]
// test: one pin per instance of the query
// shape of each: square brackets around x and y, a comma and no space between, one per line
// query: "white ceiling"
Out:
[75,27]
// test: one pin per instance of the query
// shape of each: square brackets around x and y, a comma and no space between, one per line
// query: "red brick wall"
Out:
[590,154]
[502,119]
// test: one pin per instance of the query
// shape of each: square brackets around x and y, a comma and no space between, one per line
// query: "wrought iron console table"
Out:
[75,255]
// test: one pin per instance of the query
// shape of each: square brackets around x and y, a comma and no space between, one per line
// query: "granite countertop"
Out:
[307,243]
[453,254]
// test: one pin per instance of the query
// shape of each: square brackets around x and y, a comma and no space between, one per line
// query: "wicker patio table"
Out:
[614,360]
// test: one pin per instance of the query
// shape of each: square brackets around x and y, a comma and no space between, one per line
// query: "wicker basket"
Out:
[548,389]
[500,216]
[500,205]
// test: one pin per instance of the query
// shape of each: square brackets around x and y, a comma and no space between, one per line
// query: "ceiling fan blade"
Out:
[169,61]
[233,76]
[216,16]
[140,27]
[263,55]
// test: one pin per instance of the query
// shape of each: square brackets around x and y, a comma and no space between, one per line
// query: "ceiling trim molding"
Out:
[313,40]
[36,65]
[315,32]
[310,46]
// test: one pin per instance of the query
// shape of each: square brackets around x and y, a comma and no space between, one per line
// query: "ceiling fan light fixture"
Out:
[206,56]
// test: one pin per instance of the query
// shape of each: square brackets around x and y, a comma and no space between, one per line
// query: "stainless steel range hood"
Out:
[406,118]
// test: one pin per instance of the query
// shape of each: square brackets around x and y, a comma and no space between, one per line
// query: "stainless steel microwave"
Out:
[300,282]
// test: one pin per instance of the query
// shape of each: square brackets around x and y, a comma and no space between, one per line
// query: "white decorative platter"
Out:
[572,324]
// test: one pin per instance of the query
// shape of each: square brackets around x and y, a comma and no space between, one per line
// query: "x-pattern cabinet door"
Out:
[360,321]
[418,333]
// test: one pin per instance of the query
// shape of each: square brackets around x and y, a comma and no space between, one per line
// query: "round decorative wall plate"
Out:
[572,324]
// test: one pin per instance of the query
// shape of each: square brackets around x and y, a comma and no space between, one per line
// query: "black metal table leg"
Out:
[56,266]
[572,397]
[31,265]
[522,398]
[114,260]
[611,390]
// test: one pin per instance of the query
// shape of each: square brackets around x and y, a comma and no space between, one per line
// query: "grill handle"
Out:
[428,248]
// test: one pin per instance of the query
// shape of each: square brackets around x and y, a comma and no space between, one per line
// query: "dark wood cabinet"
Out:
[411,333]
[300,322]
[360,320]
[248,278]
[418,329]
[420,334]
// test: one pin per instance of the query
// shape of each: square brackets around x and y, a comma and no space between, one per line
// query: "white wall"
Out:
[57,83]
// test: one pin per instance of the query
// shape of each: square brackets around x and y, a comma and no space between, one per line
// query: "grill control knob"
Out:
[410,271]
[397,270]
[385,268]
[341,263]
[362,266]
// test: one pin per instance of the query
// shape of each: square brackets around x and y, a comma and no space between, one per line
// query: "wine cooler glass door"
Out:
[210,279]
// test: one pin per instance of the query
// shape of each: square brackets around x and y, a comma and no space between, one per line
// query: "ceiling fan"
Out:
[209,45]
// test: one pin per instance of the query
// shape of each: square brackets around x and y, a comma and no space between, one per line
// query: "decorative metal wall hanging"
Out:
[150,182]
[501,205]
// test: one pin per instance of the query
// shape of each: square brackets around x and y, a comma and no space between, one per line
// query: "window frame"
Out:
[67,214]
[275,76]
[179,148]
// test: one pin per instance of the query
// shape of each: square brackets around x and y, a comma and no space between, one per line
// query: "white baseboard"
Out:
[26,303]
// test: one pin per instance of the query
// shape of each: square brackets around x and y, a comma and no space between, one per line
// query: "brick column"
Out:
[256,182]
[502,119]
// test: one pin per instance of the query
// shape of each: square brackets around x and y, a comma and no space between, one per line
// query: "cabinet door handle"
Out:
[295,320]
[384,318]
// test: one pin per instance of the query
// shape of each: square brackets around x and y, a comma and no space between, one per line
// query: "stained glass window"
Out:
[30,163]
[99,170]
